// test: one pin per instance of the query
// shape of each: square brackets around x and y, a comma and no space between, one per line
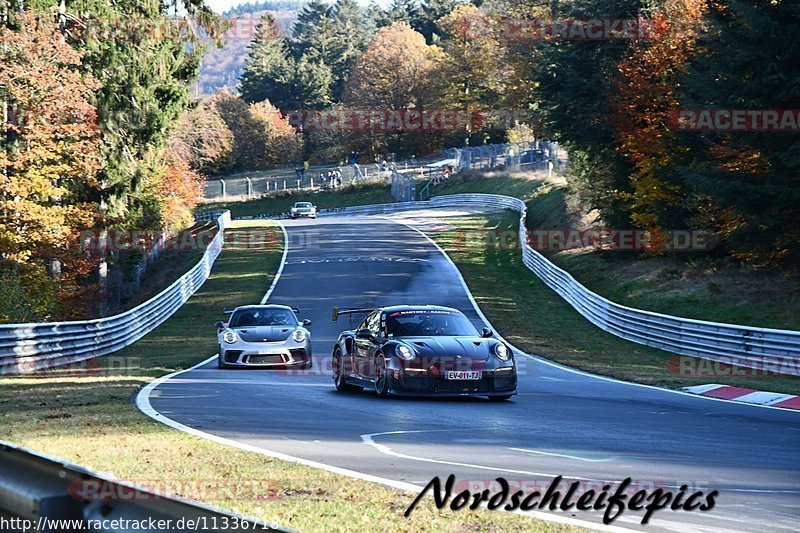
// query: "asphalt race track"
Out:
[561,422]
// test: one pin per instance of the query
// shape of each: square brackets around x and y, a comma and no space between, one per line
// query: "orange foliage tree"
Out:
[48,160]
[643,100]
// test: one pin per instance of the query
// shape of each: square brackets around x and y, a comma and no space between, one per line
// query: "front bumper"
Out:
[266,355]
[497,382]
[309,214]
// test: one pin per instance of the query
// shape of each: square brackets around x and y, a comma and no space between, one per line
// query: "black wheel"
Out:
[220,364]
[381,379]
[502,398]
[339,379]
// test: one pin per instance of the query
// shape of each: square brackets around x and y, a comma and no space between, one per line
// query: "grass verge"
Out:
[535,319]
[90,419]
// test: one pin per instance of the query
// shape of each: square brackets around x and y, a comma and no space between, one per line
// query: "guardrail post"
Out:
[223,188]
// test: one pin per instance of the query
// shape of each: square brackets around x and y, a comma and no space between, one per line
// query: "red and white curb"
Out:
[740,394]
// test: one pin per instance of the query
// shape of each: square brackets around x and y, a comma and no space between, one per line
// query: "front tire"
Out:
[339,375]
[381,377]
[220,364]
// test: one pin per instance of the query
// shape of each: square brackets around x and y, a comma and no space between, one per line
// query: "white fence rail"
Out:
[770,350]
[30,347]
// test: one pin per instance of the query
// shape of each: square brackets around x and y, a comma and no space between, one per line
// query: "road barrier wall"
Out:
[40,493]
[33,347]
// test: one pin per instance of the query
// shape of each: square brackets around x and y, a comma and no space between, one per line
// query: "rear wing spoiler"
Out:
[336,312]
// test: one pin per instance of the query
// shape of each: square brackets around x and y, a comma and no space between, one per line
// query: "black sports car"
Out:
[422,351]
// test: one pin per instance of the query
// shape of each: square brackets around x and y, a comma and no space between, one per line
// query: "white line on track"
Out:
[564,455]
[280,267]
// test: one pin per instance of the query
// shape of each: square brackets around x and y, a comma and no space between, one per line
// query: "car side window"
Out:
[364,323]
[374,323]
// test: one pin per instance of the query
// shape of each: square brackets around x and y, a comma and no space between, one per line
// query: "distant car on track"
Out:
[303,209]
[264,336]
[422,351]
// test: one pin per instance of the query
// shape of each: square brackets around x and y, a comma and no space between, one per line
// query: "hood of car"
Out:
[264,333]
[466,347]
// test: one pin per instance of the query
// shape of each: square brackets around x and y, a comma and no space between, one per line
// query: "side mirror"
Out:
[364,334]
[306,323]
[220,325]
[486,333]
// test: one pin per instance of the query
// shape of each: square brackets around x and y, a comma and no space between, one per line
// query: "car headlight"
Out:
[501,352]
[230,336]
[299,335]
[405,352]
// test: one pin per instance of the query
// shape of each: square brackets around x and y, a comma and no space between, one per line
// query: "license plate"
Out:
[265,352]
[463,374]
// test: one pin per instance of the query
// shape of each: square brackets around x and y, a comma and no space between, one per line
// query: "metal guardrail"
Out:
[762,348]
[41,493]
[30,347]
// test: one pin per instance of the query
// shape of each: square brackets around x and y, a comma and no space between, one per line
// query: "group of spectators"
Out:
[331,180]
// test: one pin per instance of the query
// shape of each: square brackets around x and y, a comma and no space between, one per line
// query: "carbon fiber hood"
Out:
[264,333]
[470,347]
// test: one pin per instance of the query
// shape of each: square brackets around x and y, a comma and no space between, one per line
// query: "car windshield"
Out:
[302,205]
[263,317]
[425,323]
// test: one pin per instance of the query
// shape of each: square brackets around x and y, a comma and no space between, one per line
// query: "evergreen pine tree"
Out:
[268,74]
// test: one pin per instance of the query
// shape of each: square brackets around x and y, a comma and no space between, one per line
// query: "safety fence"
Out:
[760,348]
[40,493]
[30,347]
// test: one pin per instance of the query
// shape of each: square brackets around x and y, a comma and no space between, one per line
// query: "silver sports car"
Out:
[303,209]
[264,336]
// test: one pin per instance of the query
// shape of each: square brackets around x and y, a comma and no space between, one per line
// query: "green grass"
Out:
[517,185]
[281,202]
[90,419]
[534,318]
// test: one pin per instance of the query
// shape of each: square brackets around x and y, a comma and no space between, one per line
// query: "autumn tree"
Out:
[473,70]
[643,98]
[748,179]
[262,136]
[48,159]
[567,77]
[203,140]
[395,72]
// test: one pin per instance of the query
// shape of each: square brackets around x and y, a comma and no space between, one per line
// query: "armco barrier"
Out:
[29,347]
[40,493]
[760,348]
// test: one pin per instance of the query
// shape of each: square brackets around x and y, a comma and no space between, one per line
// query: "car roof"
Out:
[263,306]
